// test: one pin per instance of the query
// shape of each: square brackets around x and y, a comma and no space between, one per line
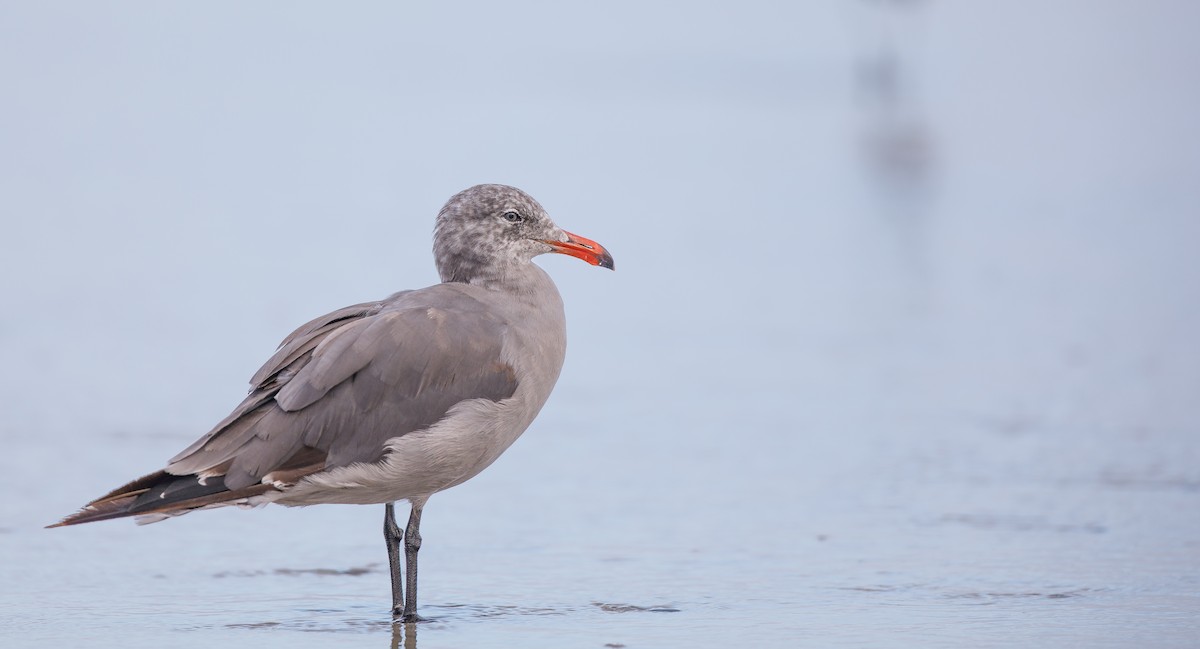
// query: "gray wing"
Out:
[340,386]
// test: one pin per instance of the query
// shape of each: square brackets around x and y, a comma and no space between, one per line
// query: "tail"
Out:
[163,494]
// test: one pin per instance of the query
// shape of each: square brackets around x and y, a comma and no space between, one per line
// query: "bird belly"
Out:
[418,464]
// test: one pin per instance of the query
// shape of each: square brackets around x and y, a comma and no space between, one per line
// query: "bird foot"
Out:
[406,618]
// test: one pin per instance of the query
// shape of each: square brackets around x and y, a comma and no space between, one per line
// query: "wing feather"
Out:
[334,392]
[345,383]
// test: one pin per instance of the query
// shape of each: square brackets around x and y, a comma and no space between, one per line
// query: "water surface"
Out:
[901,350]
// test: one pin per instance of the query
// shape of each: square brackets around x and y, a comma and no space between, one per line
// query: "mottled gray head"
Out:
[485,231]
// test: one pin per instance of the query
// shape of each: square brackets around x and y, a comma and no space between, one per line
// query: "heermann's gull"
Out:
[391,400]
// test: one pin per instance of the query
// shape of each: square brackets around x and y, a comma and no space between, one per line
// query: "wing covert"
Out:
[342,385]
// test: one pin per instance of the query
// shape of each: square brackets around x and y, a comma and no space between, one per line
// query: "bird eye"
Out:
[513,217]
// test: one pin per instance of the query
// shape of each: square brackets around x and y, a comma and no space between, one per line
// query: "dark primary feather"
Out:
[335,391]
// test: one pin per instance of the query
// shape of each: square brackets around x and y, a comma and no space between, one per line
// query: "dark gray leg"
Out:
[392,535]
[412,543]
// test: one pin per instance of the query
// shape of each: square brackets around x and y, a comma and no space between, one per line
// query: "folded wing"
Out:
[334,393]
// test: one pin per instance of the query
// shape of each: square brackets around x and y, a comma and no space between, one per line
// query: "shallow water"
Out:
[900,350]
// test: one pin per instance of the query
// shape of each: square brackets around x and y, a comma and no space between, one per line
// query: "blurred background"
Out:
[901,349]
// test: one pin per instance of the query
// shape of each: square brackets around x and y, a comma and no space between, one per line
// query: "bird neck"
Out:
[524,279]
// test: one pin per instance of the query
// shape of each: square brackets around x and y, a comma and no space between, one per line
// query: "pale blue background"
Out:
[901,349]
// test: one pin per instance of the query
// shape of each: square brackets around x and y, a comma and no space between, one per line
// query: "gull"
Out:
[391,400]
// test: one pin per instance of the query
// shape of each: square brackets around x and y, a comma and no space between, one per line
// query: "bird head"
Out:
[484,230]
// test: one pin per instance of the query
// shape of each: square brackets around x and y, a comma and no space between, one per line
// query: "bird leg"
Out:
[412,543]
[392,536]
